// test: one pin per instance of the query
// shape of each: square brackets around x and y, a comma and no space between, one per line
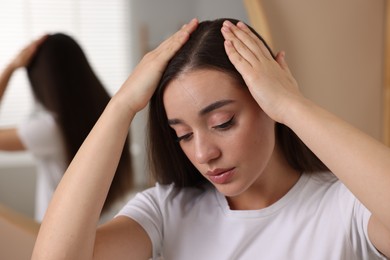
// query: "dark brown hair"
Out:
[63,81]
[205,50]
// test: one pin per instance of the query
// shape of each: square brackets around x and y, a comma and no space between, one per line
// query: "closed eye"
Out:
[226,125]
[185,137]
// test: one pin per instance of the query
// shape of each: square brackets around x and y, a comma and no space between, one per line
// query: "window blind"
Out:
[100,27]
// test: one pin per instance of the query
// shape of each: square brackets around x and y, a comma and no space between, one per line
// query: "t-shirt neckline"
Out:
[275,207]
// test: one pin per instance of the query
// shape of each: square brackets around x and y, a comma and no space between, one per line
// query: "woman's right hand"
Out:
[86,182]
[141,84]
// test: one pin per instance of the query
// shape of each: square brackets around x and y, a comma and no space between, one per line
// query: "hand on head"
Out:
[25,55]
[268,79]
[142,83]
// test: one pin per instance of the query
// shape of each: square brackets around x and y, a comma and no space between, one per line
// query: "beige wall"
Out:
[335,50]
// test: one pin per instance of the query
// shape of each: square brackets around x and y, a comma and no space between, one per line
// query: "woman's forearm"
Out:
[79,198]
[5,78]
[68,229]
[358,160]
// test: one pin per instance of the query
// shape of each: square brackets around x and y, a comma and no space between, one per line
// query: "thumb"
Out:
[280,59]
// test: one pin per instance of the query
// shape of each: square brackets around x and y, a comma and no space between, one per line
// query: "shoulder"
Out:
[162,194]
[319,192]
[327,182]
[165,199]
[319,183]
[322,183]
[331,194]
[323,178]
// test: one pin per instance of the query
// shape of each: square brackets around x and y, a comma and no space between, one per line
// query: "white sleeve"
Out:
[146,208]
[356,217]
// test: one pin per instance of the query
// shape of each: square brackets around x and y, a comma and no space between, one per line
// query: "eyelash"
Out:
[222,127]
[183,137]
[226,125]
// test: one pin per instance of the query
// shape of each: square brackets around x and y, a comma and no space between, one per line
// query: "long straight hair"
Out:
[205,50]
[63,81]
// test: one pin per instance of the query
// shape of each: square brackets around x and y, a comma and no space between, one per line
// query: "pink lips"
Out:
[220,176]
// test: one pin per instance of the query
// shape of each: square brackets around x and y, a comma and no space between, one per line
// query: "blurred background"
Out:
[334,48]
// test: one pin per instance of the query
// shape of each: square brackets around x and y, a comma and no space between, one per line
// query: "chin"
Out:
[230,190]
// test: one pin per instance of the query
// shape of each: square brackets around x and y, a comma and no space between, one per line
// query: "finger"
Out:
[241,64]
[41,39]
[168,48]
[171,45]
[190,27]
[35,43]
[156,60]
[259,42]
[250,40]
[280,59]
[244,46]
[32,48]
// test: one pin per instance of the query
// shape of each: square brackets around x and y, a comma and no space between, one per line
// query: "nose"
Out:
[206,149]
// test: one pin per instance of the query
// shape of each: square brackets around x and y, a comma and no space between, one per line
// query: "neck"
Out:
[275,182]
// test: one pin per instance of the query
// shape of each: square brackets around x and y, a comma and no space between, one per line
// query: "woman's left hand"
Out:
[25,55]
[268,79]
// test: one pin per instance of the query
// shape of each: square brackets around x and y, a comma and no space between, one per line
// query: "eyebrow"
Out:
[214,106]
[204,111]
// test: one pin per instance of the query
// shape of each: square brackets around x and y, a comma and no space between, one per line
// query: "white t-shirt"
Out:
[317,219]
[42,138]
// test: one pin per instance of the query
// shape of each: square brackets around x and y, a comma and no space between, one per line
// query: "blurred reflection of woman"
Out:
[69,99]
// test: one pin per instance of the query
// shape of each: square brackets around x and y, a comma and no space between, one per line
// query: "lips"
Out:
[220,176]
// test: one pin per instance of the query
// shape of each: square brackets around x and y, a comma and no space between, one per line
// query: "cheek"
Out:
[186,150]
[258,141]
[189,151]
[253,142]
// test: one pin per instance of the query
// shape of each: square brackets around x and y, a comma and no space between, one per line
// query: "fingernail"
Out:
[227,23]
[190,22]
[241,24]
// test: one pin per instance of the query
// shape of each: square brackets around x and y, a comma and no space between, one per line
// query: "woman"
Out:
[69,98]
[234,182]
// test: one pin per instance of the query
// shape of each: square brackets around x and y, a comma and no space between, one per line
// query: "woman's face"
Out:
[220,128]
